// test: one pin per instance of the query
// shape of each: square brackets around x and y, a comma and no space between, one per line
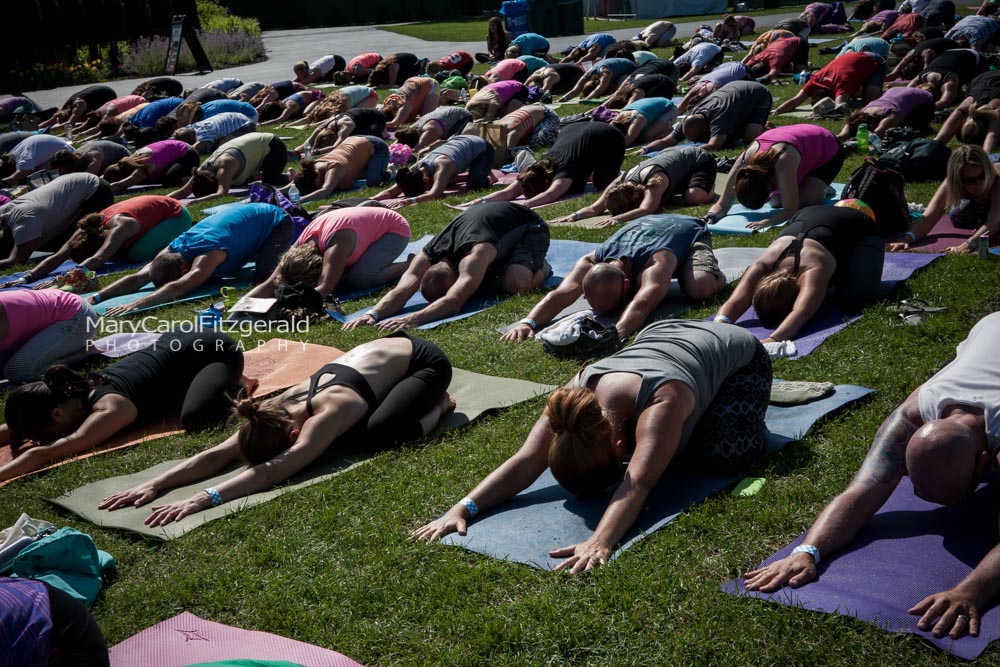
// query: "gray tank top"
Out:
[451,120]
[699,354]
[461,150]
[675,163]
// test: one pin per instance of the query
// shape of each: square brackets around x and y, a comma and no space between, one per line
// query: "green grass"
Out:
[472,30]
[332,565]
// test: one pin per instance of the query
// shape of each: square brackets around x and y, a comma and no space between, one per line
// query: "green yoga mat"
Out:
[476,394]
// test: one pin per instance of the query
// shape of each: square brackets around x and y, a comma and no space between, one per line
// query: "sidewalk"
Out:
[285,47]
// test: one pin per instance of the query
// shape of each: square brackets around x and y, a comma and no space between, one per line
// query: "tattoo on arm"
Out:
[887,457]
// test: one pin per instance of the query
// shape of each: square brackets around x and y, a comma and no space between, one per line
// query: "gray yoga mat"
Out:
[476,394]
[545,516]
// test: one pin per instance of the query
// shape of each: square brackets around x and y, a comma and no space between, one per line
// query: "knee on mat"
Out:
[704,286]
[697,197]
[194,420]
[517,282]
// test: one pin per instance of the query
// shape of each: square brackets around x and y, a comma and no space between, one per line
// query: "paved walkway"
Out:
[285,47]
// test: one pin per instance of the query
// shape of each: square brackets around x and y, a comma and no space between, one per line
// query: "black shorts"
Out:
[273,165]
[530,251]
[102,198]
[827,172]
[521,95]
[704,173]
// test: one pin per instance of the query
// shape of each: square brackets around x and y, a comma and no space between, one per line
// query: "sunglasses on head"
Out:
[972,180]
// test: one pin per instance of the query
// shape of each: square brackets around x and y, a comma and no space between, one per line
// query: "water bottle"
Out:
[802,76]
[293,194]
[862,139]
[307,152]
[209,319]
[984,246]
[875,141]
[464,95]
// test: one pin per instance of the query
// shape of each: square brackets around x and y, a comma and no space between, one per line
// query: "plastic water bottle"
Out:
[802,76]
[293,194]
[307,152]
[984,246]
[875,141]
[862,139]
[464,95]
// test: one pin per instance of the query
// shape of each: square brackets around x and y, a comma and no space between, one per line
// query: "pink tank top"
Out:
[368,222]
[30,311]
[506,90]
[366,60]
[816,145]
[506,69]
[122,104]
[163,154]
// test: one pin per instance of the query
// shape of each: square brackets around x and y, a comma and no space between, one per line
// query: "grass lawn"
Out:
[332,565]
[471,30]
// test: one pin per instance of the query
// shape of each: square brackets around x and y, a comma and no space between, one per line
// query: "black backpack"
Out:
[883,190]
[918,160]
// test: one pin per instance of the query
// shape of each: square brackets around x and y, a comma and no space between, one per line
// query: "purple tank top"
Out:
[163,154]
[506,90]
[816,145]
[904,101]
[25,622]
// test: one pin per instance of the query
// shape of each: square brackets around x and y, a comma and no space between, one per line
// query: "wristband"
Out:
[96,298]
[911,236]
[214,496]
[714,217]
[372,314]
[722,318]
[807,549]
[470,505]
[532,324]
[413,200]
[972,244]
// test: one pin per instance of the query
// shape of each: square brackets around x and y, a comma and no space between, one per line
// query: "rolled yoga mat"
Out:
[910,549]
[475,394]
[545,516]
[186,639]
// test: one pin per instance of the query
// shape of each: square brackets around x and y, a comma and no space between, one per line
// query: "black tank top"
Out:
[837,229]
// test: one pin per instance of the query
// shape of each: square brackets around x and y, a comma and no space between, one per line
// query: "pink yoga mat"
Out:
[943,236]
[186,639]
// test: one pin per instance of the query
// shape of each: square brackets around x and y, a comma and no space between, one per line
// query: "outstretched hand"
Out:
[164,514]
[134,497]
[955,610]
[520,332]
[583,556]
[794,570]
[452,522]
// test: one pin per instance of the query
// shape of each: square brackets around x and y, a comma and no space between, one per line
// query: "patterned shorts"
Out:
[545,133]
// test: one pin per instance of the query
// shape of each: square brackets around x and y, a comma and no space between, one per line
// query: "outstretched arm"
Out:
[654,283]
[397,297]
[554,302]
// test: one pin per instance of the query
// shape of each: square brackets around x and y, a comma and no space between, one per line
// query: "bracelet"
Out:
[576,216]
[470,505]
[807,549]
[97,298]
[532,324]
[911,236]
[214,496]
[372,314]
[722,318]
[413,200]
[972,244]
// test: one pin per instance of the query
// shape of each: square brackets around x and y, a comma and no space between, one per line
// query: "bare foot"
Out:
[447,404]
[434,416]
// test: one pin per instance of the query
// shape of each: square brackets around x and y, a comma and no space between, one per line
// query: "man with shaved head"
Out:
[631,272]
[946,437]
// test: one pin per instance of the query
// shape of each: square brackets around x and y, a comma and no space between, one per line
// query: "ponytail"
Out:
[264,433]
[538,177]
[88,238]
[582,456]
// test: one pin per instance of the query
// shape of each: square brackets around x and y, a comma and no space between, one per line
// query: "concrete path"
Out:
[285,47]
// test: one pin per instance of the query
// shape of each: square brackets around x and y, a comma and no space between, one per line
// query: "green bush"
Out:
[214,16]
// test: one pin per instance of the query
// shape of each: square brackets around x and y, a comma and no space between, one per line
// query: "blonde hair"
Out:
[624,119]
[977,124]
[302,263]
[966,156]
[187,113]
[774,297]
[264,433]
[624,197]
[581,456]
[333,104]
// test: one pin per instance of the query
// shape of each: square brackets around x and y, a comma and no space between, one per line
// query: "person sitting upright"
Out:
[944,436]
[498,246]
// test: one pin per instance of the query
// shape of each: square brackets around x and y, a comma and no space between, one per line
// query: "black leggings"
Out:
[273,166]
[731,432]
[180,171]
[76,639]
[396,420]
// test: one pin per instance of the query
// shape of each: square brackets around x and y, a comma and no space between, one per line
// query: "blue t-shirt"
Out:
[642,238]
[618,66]
[210,109]
[651,107]
[534,63]
[239,230]
[602,38]
[154,111]
[530,42]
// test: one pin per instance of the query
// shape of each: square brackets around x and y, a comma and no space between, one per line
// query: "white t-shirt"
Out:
[324,64]
[36,150]
[973,378]
[220,125]
[224,85]
[699,55]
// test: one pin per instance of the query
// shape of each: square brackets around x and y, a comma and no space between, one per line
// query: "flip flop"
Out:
[908,320]
[917,305]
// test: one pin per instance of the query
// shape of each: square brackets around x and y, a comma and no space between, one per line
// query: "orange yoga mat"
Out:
[275,365]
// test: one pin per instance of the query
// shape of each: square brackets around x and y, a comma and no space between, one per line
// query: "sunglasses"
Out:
[972,180]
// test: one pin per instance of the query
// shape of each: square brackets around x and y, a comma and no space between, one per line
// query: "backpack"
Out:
[883,190]
[581,337]
[268,194]
[918,160]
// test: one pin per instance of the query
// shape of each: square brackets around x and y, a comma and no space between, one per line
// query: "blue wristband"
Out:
[371,313]
[470,505]
[807,549]
[214,496]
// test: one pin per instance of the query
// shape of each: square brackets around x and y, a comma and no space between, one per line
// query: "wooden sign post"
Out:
[181,29]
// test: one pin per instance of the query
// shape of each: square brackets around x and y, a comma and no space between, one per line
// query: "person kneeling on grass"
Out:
[976,119]
[441,168]
[912,107]
[39,328]
[351,123]
[358,244]
[631,272]
[132,230]
[30,155]
[692,388]
[379,395]
[249,157]
[824,246]
[945,437]
[166,162]
[195,375]
[497,99]
[339,169]
[215,248]
[499,247]
[841,79]
[647,119]
[442,123]
[535,126]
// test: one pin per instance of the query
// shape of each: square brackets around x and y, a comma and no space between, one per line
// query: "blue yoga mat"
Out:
[240,281]
[562,256]
[545,516]
[740,216]
[68,265]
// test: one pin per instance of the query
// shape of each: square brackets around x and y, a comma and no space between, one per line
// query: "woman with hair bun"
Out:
[380,394]
[195,375]
[697,388]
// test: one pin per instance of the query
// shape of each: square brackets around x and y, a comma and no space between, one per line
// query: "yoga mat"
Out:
[562,256]
[474,393]
[502,179]
[277,364]
[740,216]
[241,191]
[830,319]
[186,639]
[107,268]
[588,190]
[545,516]
[943,236]
[733,261]
[587,223]
[240,281]
[910,549]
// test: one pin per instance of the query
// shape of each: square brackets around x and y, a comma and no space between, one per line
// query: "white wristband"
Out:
[372,314]
[722,318]
[530,322]
[470,505]
[807,549]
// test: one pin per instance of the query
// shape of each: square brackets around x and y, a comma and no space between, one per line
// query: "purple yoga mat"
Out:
[186,639]
[910,549]
[830,319]
[943,236]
